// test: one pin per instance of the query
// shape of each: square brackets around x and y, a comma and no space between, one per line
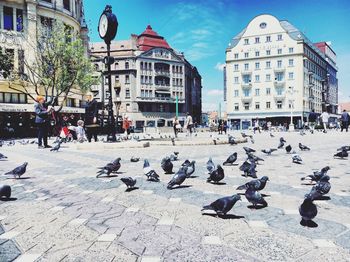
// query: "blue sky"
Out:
[203,29]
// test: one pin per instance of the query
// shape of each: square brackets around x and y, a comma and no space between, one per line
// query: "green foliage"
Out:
[6,63]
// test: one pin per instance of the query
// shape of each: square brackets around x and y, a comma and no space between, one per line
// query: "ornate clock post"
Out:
[107,29]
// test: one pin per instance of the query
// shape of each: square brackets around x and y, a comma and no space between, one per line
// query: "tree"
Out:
[60,65]
[6,63]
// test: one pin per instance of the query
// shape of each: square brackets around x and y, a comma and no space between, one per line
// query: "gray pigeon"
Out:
[271,135]
[344,148]
[173,141]
[297,159]
[3,156]
[307,211]
[173,157]
[129,181]
[167,165]
[282,140]
[56,147]
[187,162]
[303,147]
[231,140]
[149,172]
[288,148]
[134,159]
[223,205]
[18,171]
[231,159]
[249,169]
[341,154]
[112,167]
[5,191]
[210,165]
[178,178]
[216,175]
[257,184]
[254,158]
[281,145]
[255,197]
[190,168]
[317,175]
[248,150]
[268,151]
[321,188]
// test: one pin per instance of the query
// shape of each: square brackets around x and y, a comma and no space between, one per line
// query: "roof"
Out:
[150,39]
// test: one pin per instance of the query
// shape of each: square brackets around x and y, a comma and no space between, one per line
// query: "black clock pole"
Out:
[111,121]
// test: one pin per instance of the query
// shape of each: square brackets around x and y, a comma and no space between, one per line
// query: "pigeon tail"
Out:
[242,187]
[208,207]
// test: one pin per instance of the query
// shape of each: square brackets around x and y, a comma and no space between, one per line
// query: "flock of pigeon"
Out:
[307,210]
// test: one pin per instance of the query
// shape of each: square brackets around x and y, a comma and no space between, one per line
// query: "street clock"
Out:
[108,24]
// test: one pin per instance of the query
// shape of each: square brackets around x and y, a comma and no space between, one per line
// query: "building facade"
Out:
[149,78]
[19,24]
[273,71]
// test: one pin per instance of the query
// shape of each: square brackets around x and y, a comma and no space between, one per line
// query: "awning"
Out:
[162,92]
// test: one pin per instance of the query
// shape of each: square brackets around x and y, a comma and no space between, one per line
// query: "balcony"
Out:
[279,69]
[160,99]
[162,73]
[280,96]
[279,82]
[163,87]
[247,98]
[246,85]
[246,72]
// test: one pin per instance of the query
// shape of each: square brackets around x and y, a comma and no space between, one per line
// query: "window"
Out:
[19,20]
[268,38]
[257,78]
[279,76]
[268,64]
[279,51]
[257,53]
[279,104]
[291,75]
[246,66]
[268,77]
[257,92]
[246,79]
[279,37]
[291,62]
[127,79]
[236,67]
[66,4]
[70,102]
[236,79]
[268,105]
[246,55]
[257,105]
[246,92]
[246,41]
[246,106]
[236,56]
[279,63]
[236,107]
[126,65]
[8,18]
[142,93]
[257,65]
[268,91]
[257,40]
[236,93]
[291,50]
[127,93]
[279,91]
[268,52]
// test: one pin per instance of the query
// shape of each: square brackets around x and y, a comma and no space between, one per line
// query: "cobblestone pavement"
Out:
[61,212]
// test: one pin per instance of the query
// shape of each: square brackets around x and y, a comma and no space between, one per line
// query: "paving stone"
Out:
[257,224]
[132,209]
[108,199]
[8,250]
[323,243]
[57,208]
[27,257]
[151,259]
[9,234]
[107,237]
[167,221]
[77,221]
[211,240]
[175,199]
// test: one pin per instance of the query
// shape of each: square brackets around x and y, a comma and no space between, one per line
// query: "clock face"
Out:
[103,26]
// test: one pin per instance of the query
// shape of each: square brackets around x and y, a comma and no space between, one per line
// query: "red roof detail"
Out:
[150,39]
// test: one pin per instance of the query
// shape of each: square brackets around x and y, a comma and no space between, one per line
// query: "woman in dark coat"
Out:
[91,114]
[42,120]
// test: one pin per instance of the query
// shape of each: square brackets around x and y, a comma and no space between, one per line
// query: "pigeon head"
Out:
[176,153]
[282,139]
[325,169]
[25,163]
[237,197]
[193,162]
[265,178]
[235,154]
[325,178]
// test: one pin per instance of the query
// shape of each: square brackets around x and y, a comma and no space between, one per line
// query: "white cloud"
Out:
[219,66]
[207,107]
[215,92]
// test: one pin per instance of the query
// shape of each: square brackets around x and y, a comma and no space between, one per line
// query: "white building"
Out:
[272,69]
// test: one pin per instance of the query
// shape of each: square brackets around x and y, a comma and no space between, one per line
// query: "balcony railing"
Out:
[247,85]
[246,72]
[162,73]
[279,82]
[279,96]
[279,69]
[163,87]
[160,99]
[247,98]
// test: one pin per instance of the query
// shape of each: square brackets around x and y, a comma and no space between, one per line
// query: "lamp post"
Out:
[291,91]
[107,29]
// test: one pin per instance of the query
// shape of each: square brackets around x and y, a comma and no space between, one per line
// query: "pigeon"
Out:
[302,133]
[186,163]
[244,135]
[5,191]
[134,159]
[268,151]
[214,140]
[257,184]
[24,142]
[271,135]
[167,165]
[210,165]
[173,141]
[281,145]
[344,148]
[252,140]
[112,167]
[3,156]
[303,147]
[223,205]
[341,154]
[282,140]
[288,148]
[149,172]
[190,168]
[216,175]
[178,178]
[56,147]
[231,159]
[297,159]
[248,169]
[18,171]
[231,140]
[317,175]
[254,158]
[307,211]
[255,197]
[173,157]
[129,181]
[321,188]
[248,149]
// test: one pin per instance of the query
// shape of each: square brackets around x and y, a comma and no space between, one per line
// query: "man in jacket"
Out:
[344,120]
[312,120]
[42,112]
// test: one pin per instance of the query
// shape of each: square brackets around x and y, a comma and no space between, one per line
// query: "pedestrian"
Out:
[176,126]
[79,131]
[256,126]
[126,125]
[269,126]
[344,121]
[189,124]
[225,127]
[91,114]
[312,120]
[220,126]
[325,118]
[42,120]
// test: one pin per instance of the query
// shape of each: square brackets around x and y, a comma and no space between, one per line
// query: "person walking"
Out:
[176,124]
[256,126]
[42,115]
[312,120]
[189,123]
[91,114]
[325,118]
[344,121]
